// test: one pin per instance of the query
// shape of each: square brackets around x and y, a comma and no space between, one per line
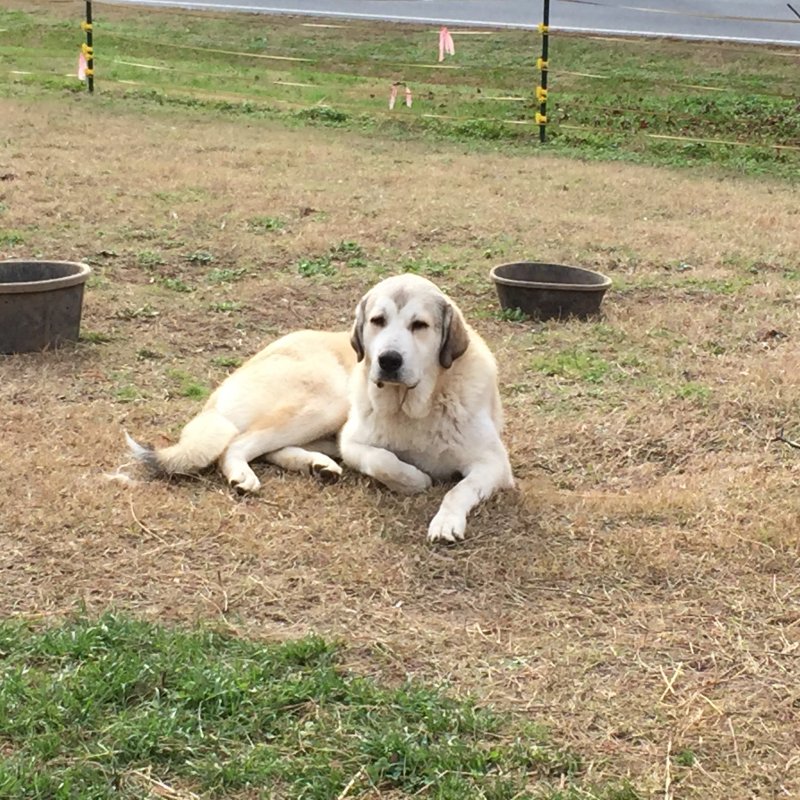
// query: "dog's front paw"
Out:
[409,481]
[244,480]
[447,527]
[328,471]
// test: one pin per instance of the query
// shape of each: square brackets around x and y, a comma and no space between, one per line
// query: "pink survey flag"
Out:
[446,44]
[393,95]
[82,67]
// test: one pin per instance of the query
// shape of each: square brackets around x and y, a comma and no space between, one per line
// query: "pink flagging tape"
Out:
[446,45]
[393,95]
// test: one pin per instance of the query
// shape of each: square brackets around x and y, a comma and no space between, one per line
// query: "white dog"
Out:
[418,390]
[424,402]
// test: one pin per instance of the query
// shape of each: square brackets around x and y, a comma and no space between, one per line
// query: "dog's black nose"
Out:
[390,361]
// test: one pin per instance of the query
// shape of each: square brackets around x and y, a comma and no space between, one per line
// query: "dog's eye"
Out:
[419,325]
[378,321]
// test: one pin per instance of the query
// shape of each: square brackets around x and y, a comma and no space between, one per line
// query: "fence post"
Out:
[541,89]
[88,47]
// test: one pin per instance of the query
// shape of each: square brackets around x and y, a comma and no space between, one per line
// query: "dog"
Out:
[424,402]
[410,392]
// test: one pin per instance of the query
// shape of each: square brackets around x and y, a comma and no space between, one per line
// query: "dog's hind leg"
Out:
[306,459]
[235,460]
[277,444]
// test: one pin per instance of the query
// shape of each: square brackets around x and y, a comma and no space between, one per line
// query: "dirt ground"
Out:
[639,593]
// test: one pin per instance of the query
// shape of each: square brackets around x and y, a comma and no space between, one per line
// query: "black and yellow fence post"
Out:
[88,47]
[541,89]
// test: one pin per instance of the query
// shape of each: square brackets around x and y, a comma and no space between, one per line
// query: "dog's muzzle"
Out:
[390,362]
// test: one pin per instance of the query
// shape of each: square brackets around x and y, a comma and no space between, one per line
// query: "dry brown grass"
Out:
[639,593]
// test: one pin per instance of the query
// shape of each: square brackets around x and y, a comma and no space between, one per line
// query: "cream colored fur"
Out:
[439,415]
[287,403]
[413,400]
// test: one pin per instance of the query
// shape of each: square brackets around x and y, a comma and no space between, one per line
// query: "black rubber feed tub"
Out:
[547,291]
[40,304]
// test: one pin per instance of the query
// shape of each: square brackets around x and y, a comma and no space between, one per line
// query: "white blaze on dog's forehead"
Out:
[419,309]
[405,302]
[381,305]
[402,288]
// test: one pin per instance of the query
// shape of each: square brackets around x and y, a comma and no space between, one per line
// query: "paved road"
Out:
[703,19]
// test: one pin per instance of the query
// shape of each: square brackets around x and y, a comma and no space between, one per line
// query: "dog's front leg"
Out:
[385,467]
[480,482]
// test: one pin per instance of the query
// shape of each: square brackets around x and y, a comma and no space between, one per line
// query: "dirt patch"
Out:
[638,593]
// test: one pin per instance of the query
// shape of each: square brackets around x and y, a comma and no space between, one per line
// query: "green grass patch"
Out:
[176,285]
[200,257]
[609,99]
[139,312]
[692,390]
[147,354]
[573,365]
[316,266]
[94,337]
[226,361]
[190,194]
[351,254]
[149,259]
[11,238]
[429,267]
[188,386]
[90,706]
[225,306]
[343,254]
[226,275]
[265,224]
[511,315]
[723,286]
[125,391]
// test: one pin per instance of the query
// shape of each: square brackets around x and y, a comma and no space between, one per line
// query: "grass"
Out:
[11,238]
[115,707]
[126,393]
[344,254]
[226,361]
[226,275]
[609,99]
[176,285]
[94,337]
[573,365]
[188,386]
[265,224]
[225,306]
[150,259]
[200,257]
[146,311]
[312,267]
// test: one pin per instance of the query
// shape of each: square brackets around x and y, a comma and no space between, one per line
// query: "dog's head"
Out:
[407,329]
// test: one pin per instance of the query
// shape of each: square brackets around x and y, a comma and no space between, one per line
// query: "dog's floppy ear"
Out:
[455,339]
[357,335]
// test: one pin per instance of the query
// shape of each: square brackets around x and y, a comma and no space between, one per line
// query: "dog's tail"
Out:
[202,442]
